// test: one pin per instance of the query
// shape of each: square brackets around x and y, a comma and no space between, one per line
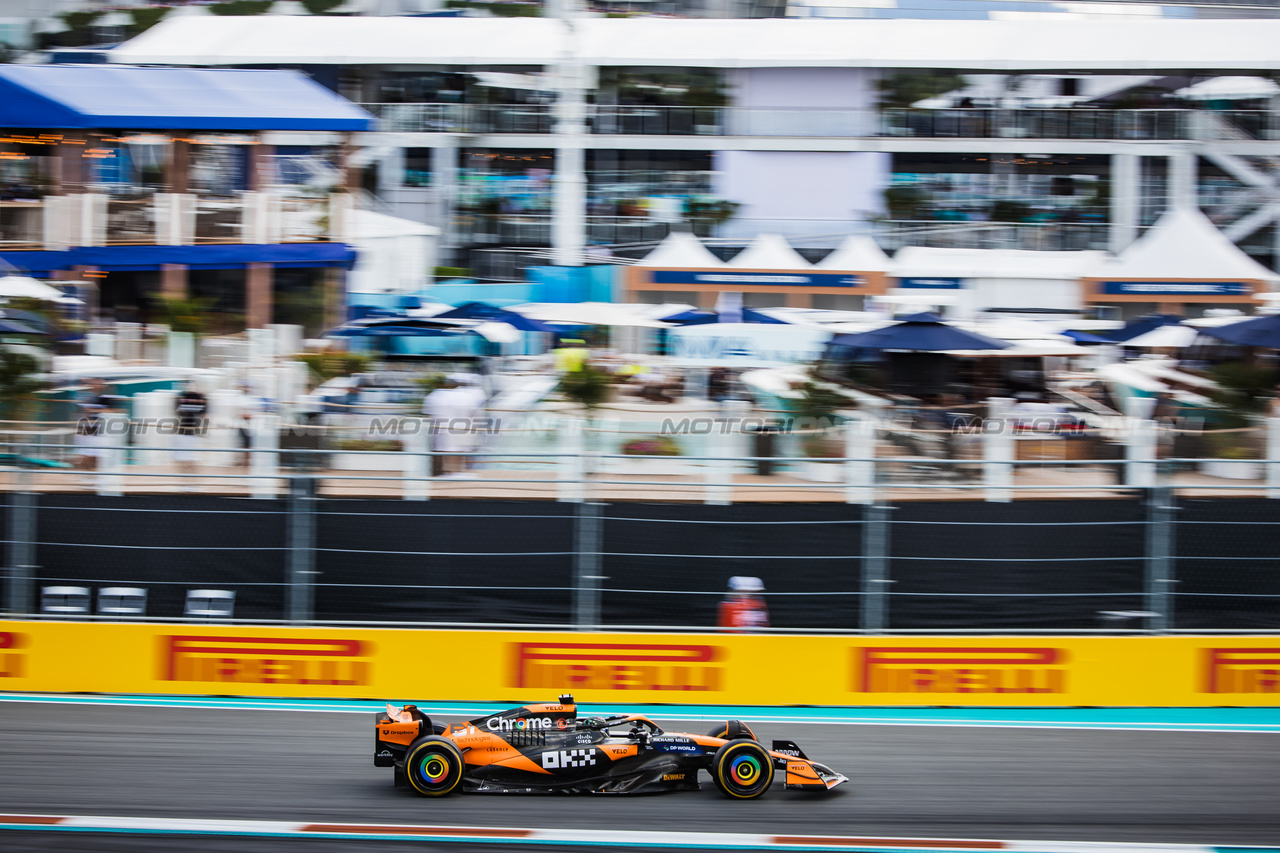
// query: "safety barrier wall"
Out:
[425,666]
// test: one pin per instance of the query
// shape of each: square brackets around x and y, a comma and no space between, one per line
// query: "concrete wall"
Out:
[832,191]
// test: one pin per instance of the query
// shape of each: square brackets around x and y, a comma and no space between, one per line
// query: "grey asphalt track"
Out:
[1009,784]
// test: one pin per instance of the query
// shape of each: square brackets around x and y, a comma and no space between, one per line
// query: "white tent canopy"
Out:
[980,46]
[681,250]
[1183,244]
[857,254]
[769,252]
[21,286]
[394,255]
[1230,88]
[928,262]
[586,313]
[1177,336]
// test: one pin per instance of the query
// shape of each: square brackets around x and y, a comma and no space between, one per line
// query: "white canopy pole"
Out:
[569,202]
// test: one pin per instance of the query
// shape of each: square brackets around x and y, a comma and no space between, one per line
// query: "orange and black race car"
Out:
[548,748]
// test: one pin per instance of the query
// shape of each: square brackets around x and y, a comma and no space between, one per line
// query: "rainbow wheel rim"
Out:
[745,770]
[434,768]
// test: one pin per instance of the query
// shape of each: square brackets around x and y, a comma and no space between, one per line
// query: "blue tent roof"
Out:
[127,97]
[919,332]
[700,317]
[1261,331]
[1142,325]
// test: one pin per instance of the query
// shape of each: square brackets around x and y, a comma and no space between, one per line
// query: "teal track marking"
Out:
[1136,719]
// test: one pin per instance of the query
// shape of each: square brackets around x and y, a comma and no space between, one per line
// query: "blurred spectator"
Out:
[571,355]
[191,408]
[743,609]
[453,410]
[92,403]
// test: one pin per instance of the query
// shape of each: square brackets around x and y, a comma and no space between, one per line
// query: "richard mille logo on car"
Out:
[520,724]
[562,758]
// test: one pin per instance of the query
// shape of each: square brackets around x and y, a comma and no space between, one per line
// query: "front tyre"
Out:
[433,766]
[742,770]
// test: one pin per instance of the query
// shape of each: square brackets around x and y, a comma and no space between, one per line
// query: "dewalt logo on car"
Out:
[618,666]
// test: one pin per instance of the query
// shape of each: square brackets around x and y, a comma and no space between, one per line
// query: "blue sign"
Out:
[784,279]
[931,283]
[1177,288]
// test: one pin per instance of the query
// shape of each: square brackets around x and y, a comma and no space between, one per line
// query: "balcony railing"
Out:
[535,229]
[131,221]
[980,123]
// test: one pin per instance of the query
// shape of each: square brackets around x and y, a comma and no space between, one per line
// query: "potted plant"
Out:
[1235,456]
[368,454]
[816,409]
[1233,441]
[650,454]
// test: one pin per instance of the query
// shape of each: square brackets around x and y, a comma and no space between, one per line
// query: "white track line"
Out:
[576,837]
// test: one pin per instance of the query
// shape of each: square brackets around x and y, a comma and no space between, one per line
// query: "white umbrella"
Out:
[1164,336]
[587,314]
[18,286]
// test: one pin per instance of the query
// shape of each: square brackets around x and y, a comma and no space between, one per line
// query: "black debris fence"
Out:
[1135,560]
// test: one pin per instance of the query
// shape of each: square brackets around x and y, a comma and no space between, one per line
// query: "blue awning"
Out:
[127,97]
[208,257]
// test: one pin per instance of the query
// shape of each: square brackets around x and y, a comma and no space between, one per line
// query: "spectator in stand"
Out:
[93,403]
[743,610]
[191,407]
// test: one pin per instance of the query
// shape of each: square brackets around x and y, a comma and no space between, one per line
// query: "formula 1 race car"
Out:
[548,748]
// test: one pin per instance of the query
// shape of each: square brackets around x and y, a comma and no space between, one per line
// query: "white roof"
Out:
[769,252]
[927,262]
[857,254]
[368,224]
[990,46]
[682,250]
[1183,244]
[1165,336]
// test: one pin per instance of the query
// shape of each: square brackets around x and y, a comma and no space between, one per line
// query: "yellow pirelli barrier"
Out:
[67,657]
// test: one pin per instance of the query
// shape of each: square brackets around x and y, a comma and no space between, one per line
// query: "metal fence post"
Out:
[588,544]
[1159,562]
[875,567]
[571,460]
[300,570]
[417,463]
[20,546]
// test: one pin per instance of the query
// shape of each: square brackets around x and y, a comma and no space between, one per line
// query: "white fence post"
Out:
[265,460]
[115,430]
[417,464]
[998,451]
[860,463]
[571,463]
[1273,457]
[1140,453]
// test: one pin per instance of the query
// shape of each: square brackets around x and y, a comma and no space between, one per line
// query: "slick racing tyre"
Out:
[742,769]
[433,766]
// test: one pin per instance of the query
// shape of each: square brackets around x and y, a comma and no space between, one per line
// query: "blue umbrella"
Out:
[919,333]
[700,316]
[1257,332]
[1142,325]
[494,314]
[390,331]
[1087,338]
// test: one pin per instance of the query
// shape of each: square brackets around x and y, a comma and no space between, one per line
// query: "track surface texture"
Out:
[995,783]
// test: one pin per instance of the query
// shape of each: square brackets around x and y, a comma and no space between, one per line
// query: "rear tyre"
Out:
[433,766]
[742,770]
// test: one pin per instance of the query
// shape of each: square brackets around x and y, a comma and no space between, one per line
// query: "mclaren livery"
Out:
[548,748]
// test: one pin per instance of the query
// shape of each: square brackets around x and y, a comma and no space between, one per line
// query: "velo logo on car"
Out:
[12,660]
[1242,670]
[617,666]
[264,660]
[990,669]
[560,759]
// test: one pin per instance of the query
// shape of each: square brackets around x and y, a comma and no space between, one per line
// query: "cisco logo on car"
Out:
[505,724]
